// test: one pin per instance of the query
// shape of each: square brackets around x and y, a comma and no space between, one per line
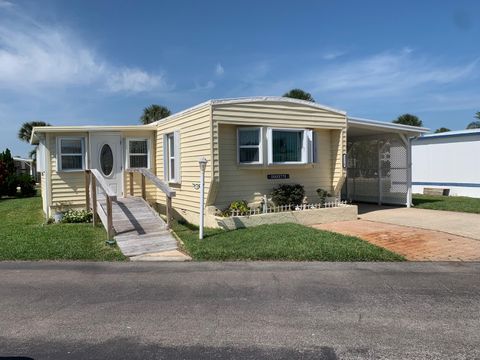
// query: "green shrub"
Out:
[240,207]
[288,194]
[77,216]
[323,195]
[27,185]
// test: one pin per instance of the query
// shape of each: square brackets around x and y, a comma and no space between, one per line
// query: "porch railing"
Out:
[92,179]
[168,191]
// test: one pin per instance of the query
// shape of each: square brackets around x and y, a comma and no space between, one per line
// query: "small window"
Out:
[250,146]
[171,157]
[106,160]
[137,153]
[70,154]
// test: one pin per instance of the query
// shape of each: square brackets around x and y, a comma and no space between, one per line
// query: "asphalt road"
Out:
[240,311]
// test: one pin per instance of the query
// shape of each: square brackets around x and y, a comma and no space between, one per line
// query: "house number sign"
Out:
[278,176]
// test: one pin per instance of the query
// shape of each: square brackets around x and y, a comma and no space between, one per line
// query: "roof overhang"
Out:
[86,128]
[17,158]
[366,127]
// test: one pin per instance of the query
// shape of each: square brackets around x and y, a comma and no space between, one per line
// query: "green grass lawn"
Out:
[450,203]
[279,242]
[24,237]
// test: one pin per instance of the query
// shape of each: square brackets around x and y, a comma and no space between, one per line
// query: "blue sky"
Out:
[101,62]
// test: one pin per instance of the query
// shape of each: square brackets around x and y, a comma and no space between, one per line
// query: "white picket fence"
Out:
[286,208]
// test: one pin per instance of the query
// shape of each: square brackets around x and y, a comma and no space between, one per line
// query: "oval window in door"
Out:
[106,160]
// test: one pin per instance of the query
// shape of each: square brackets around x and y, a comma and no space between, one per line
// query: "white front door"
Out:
[106,157]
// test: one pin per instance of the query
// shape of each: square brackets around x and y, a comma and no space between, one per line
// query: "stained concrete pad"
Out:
[456,223]
[412,242]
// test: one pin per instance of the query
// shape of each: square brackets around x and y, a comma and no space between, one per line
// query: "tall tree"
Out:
[299,94]
[474,125]
[408,119]
[25,132]
[153,113]
[8,178]
[477,115]
[442,130]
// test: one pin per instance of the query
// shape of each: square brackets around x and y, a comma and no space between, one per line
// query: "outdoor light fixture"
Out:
[202,162]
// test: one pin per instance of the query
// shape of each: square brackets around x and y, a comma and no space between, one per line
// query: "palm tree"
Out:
[408,119]
[153,113]
[25,132]
[299,94]
[477,115]
[474,125]
[442,130]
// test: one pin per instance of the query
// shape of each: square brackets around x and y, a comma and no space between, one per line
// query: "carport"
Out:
[378,162]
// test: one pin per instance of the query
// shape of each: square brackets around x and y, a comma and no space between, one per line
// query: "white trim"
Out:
[306,146]
[386,125]
[259,146]
[60,154]
[171,144]
[175,135]
[127,151]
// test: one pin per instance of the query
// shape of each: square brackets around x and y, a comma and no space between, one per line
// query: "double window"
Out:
[137,153]
[71,154]
[284,146]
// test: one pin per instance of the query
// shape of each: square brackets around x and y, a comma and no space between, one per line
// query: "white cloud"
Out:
[387,74]
[332,55]
[35,56]
[5,4]
[219,70]
[133,80]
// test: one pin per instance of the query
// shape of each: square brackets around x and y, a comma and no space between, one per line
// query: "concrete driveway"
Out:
[456,223]
[260,310]
[417,234]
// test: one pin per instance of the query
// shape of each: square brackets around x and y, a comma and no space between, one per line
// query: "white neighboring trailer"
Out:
[449,160]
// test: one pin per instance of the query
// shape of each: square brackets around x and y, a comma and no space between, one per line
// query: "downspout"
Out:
[48,171]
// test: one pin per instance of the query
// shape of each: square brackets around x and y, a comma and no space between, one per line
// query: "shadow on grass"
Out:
[425,201]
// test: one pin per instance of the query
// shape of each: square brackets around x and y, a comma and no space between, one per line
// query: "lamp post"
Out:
[202,162]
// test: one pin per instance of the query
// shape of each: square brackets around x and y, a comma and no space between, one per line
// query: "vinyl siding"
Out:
[338,148]
[237,182]
[195,141]
[68,188]
[243,183]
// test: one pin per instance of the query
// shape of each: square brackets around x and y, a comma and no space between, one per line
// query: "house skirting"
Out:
[303,217]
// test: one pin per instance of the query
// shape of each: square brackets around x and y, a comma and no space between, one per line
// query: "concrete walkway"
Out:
[457,223]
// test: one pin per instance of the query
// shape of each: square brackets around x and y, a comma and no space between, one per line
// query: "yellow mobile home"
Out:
[251,145]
